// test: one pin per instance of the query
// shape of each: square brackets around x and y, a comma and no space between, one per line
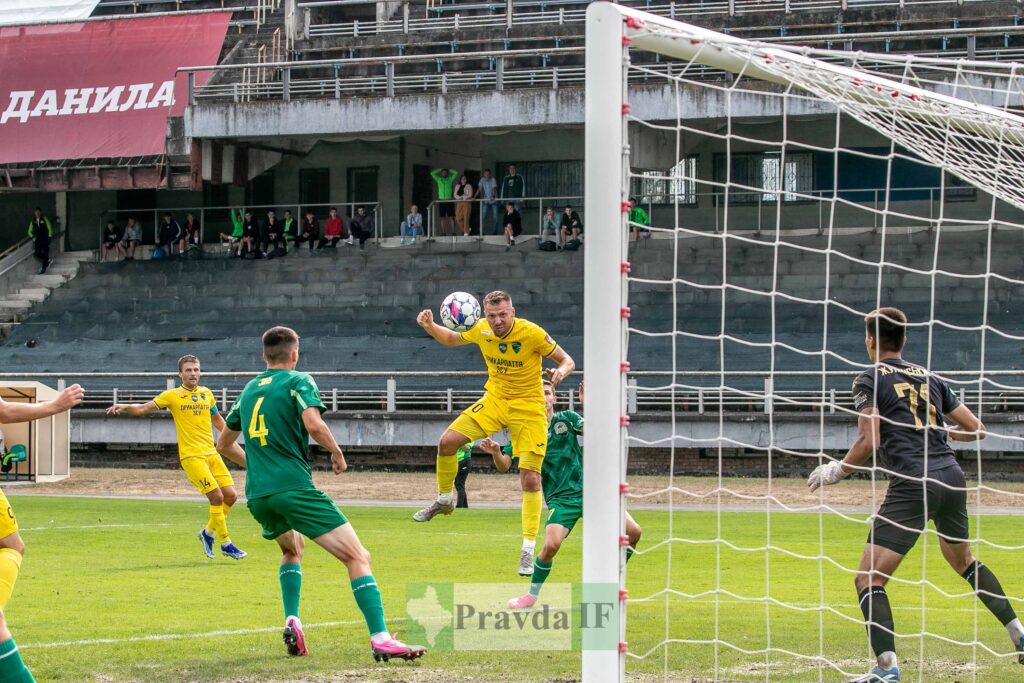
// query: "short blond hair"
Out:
[496,297]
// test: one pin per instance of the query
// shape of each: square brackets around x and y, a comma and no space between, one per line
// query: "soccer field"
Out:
[118,590]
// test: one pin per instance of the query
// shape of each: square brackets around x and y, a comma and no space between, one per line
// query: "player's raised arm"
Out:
[321,433]
[133,409]
[967,425]
[565,366]
[24,412]
[442,334]
[502,462]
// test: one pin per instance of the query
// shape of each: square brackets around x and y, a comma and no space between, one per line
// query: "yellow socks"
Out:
[10,563]
[447,468]
[532,501]
[218,523]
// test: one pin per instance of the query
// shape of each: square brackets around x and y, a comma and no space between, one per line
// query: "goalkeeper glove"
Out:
[827,474]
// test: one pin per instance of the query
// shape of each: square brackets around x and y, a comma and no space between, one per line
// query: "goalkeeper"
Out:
[902,412]
[562,481]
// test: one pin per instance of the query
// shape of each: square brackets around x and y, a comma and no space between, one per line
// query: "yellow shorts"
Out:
[207,473]
[525,419]
[8,524]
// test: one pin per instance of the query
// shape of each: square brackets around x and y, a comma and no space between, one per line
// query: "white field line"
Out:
[96,526]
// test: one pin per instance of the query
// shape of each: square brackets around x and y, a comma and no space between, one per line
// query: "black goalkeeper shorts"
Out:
[908,505]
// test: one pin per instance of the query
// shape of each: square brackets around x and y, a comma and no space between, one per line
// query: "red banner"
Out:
[99,89]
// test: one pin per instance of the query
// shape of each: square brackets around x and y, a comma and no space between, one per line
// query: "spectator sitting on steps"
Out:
[191,235]
[412,225]
[111,241]
[309,231]
[513,223]
[132,238]
[361,226]
[332,230]
[168,234]
[571,226]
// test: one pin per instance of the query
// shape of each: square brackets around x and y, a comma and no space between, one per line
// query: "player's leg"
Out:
[12,549]
[12,669]
[528,429]
[633,532]
[949,504]
[894,532]
[460,484]
[290,577]
[315,512]
[198,472]
[483,418]
[563,514]
[226,483]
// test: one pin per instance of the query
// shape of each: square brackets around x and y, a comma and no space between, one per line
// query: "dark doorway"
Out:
[260,193]
[314,188]
[422,193]
[362,185]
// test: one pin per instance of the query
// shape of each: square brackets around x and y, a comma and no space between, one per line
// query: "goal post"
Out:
[604,327]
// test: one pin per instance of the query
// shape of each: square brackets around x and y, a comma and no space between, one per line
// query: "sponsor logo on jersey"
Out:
[265,381]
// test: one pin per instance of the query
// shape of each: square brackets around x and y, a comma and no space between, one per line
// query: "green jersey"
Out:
[638,215]
[465,453]
[561,475]
[269,414]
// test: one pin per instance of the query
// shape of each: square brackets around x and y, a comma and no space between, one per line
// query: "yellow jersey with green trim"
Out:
[191,410]
[514,362]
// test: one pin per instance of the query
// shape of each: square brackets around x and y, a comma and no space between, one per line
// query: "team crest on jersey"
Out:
[517,346]
[503,347]
[195,398]
[560,428]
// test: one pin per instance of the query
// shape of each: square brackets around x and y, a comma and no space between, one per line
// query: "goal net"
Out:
[747,206]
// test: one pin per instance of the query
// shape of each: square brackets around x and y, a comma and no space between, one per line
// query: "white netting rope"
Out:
[963,135]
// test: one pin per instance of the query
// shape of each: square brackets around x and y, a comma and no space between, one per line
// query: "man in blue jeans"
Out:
[487,190]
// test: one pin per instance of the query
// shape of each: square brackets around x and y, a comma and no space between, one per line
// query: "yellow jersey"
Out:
[191,410]
[514,362]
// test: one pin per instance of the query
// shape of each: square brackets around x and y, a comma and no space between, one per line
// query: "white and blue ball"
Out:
[460,311]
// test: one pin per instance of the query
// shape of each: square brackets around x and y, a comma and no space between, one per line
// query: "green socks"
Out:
[540,575]
[12,669]
[291,585]
[368,598]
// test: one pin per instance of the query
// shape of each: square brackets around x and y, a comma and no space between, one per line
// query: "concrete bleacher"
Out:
[356,311]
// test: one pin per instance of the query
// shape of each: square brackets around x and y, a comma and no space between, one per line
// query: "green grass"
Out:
[112,584]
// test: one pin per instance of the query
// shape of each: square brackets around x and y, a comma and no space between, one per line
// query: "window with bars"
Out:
[766,177]
[679,184]
[555,179]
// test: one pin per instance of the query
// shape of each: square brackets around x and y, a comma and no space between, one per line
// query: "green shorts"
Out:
[565,512]
[308,511]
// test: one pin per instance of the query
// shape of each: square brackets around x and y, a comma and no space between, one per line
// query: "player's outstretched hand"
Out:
[338,462]
[115,409]
[70,397]
[826,475]
[425,318]
[489,446]
[555,375]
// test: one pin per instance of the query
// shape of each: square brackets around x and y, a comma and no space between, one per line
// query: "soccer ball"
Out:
[460,311]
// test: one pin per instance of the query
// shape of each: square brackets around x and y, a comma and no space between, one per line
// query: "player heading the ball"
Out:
[514,350]
[902,412]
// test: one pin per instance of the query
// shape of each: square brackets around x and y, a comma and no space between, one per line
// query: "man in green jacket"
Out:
[41,230]
[638,219]
[445,180]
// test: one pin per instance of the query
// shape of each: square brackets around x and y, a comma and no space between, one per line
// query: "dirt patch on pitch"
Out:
[417,487]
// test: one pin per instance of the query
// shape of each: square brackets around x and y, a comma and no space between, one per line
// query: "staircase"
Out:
[30,290]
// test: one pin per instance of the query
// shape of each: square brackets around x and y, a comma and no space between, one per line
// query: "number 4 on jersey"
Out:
[258,425]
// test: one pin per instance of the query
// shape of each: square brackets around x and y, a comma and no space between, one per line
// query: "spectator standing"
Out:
[513,188]
[361,226]
[465,456]
[444,178]
[250,236]
[333,228]
[571,226]
[111,240]
[272,236]
[412,225]
[309,231]
[192,234]
[168,234]
[40,229]
[490,212]
[132,238]
[463,194]
[638,219]
[513,223]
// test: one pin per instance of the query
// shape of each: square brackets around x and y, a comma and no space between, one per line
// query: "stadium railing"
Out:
[646,393]
[259,9]
[515,69]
